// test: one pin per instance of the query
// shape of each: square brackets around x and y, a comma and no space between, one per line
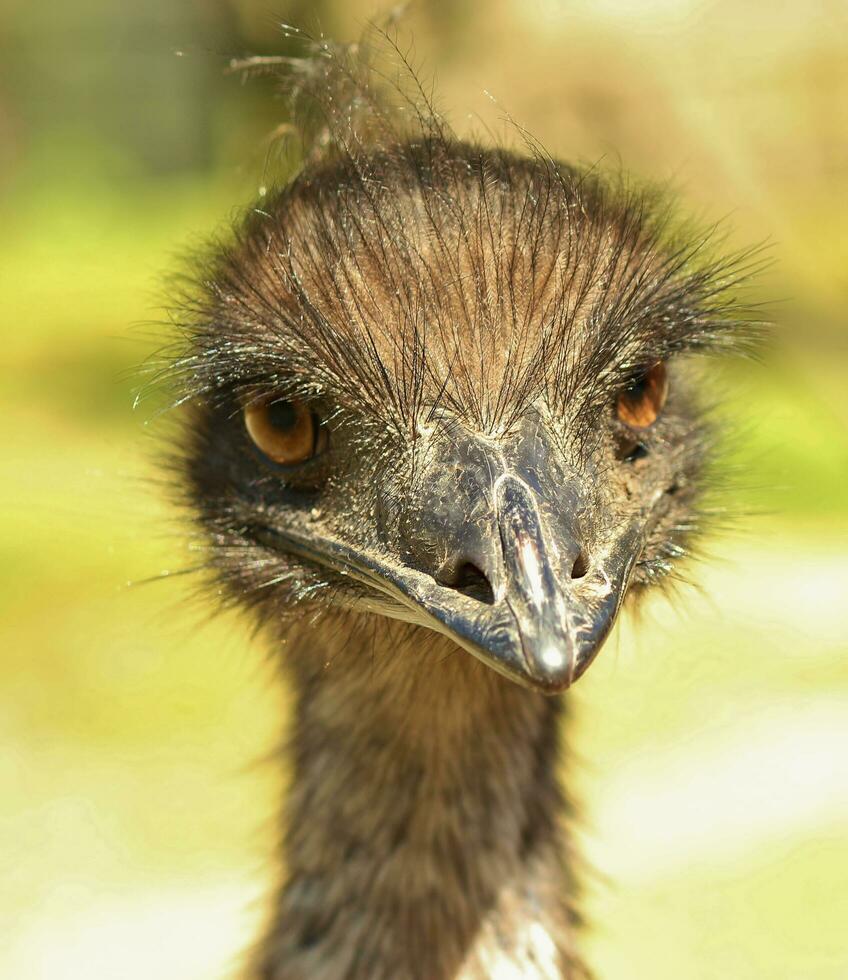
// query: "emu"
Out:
[440,422]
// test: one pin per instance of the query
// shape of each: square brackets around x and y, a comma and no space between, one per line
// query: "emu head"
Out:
[446,385]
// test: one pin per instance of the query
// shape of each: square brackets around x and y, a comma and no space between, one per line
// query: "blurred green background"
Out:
[135,808]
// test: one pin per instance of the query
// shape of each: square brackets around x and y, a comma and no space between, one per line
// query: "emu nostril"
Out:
[471,581]
[580,566]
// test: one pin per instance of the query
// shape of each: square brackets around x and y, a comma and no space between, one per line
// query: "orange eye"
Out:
[639,405]
[287,432]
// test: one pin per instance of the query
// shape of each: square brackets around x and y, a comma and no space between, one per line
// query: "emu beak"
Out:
[519,524]
[552,606]
[519,519]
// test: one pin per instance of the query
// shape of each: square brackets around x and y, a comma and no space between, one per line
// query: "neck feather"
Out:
[423,830]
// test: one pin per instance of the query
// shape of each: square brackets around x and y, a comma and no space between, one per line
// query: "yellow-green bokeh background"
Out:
[135,808]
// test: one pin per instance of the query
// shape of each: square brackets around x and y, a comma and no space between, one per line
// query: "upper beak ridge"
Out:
[534,580]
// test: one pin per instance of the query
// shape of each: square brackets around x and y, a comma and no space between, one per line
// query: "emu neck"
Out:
[423,834]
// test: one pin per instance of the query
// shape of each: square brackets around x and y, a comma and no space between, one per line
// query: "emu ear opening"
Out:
[640,405]
[287,432]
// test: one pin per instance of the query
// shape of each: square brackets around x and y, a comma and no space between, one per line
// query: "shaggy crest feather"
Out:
[405,271]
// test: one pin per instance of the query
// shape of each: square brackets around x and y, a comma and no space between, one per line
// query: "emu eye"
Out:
[639,405]
[287,432]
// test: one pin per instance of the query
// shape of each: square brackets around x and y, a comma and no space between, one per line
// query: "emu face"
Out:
[445,385]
